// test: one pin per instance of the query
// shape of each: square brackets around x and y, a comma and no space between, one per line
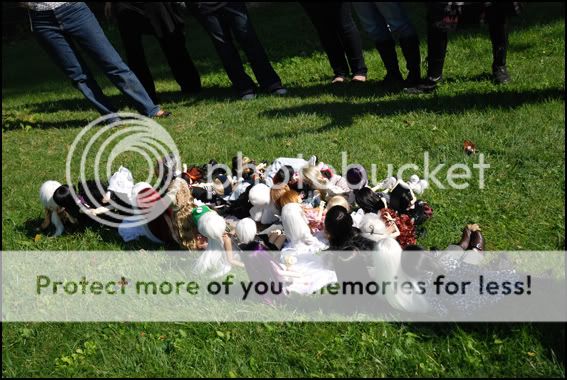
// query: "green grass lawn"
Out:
[519,127]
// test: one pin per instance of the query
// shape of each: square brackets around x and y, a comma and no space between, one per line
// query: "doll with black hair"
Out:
[89,201]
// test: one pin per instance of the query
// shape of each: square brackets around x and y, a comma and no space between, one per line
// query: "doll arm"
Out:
[96,211]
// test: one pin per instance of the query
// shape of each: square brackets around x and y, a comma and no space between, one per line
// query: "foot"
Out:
[465,239]
[250,96]
[359,78]
[280,91]
[162,114]
[338,79]
[500,75]
[477,241]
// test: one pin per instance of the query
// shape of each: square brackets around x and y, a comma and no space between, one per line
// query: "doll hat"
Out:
[198,212]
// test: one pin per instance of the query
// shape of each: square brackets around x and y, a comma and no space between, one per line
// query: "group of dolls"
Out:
[293,221]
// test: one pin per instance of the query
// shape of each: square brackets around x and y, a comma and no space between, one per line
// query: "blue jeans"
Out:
[384,20]
[60,32]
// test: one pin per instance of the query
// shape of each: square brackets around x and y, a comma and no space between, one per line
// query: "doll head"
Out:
[242,167]
[284,175]
[373,227]
[246,230]
[259,197]
[64,198]
[211,225]
[46,192]
[338,200]
[222,185]
[356,177]
[276,193]
[288,197]
[313,178]
[295,224]
[368,200]
[338,226]
[402,197]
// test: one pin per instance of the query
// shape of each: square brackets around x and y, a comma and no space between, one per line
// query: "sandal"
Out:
[162,114]
[338,79]
[359,78]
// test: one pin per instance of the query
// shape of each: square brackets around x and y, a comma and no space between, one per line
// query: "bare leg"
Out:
[58,224]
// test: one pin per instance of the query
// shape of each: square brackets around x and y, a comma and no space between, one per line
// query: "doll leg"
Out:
[229,254]
[58,224]
[46,220]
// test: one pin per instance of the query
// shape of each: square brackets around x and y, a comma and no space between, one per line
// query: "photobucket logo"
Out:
[93,155]
[314,174]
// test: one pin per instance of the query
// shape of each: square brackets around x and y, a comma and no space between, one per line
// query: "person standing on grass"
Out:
[386,22]
[223,19]
[339,37]
[165,21]
[62,27]
[443,17]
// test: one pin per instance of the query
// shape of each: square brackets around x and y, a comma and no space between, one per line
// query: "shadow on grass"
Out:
[343,113]
[31,228]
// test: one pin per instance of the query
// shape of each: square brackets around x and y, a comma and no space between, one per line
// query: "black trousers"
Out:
[339,36]
[232,20]
[437,39]
[133,26]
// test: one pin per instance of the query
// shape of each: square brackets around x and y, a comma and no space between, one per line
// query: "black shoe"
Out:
[250,96]
[426,86]
[500,75]
[282,91]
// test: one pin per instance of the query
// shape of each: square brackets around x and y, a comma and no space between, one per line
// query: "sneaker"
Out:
[500,75]
[250,96]
[280,91]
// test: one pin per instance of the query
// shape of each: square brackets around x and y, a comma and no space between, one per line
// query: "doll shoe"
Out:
[466,238]
[477,241]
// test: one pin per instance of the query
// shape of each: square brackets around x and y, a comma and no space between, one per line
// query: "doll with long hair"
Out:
[387,259]
[53,211]
[218,258]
